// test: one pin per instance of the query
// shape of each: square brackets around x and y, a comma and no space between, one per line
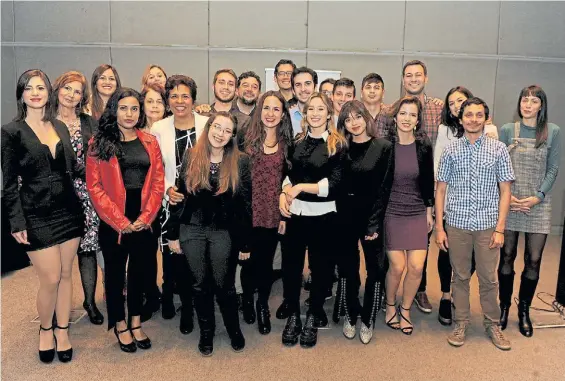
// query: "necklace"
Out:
[72,125]
[273,146]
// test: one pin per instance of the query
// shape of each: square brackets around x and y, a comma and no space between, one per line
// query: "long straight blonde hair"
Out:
[336,140]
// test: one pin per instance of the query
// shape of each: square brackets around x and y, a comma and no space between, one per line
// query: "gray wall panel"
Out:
[512,77]
[9,79]
[477,74]
[441,26]
[356,67]
[67,21]
[131,62]
[245,61]
[55,61]
[258,24]
[377,25]
[7,9]
[532,28]
[160,22]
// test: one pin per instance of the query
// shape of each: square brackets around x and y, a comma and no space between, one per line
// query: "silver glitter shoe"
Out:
[365,334]
[348,329]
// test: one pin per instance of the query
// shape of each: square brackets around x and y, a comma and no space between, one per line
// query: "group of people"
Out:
[95,167]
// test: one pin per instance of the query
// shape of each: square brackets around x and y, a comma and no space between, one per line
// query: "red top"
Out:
[108,194]
[266,177]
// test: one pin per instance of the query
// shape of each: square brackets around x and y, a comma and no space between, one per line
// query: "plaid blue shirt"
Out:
[472,173]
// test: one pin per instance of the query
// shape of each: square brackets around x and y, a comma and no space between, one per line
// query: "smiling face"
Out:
[303,87]
[107,84]
[407,117]
[272,112]
[372,93]
[154,106]
[248,91]
[342,94]
[283,75]
[414,80]
[156,76]
[224,87]
[35,93]
[317,113]
[70,94]
[128,113]
[474,119]
[530,106]
[221,131]
[454,101]
[355,124]
[180,101]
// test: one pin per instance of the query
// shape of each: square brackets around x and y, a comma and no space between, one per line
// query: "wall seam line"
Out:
[110,30]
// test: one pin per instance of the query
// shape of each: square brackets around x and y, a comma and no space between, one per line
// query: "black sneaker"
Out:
[292,330]
[167,309]
[321,321]
[309,334]
[283,311]
[444,315]
[237,341]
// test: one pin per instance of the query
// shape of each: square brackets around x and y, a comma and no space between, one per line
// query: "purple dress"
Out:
[405,217]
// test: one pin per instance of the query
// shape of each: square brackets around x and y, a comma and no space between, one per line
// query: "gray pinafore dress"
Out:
[529,165]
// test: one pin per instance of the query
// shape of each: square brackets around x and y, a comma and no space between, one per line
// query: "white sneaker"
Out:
[348,329]
[365,334]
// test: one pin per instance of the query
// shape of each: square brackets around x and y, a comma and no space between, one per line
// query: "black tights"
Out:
[533,250]
[88,268]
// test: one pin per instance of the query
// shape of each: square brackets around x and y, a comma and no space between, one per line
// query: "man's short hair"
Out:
[302,70]
[229,71]
[474,101]
[372,78]
[284,62]
[249,74]
[414,63]
[345,82]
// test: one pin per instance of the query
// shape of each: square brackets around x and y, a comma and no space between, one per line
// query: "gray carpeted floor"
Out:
[390,356]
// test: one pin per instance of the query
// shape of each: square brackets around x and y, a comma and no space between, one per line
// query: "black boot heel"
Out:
[48,355]
[504,312]
[66,355]
[524,322]
[94,314]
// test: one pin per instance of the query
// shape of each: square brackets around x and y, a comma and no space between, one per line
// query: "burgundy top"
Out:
[266,177]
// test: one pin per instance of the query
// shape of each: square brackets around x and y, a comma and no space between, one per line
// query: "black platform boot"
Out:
[230,315]
[505,288]
[249,315]
[204,306]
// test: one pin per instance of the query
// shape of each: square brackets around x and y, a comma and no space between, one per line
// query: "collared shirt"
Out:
[235,105]
[431,118]
[379,128]
[472,173]
[296,119]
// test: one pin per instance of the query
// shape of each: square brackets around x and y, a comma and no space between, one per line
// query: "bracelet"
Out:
[496,231]
[283,192]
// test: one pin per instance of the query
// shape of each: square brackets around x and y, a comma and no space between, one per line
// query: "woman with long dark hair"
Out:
[308,200]
[409,209]
[534,146]
[69,101]
[266,141]
[38,168]
[105,81]
[367,182]
[125,180]
[449,130]
[213,216]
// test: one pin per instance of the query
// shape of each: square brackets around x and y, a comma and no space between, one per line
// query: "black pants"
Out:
[533,250]
[211,264]
[140,248]
[176,272]
[257,271]
[317,233]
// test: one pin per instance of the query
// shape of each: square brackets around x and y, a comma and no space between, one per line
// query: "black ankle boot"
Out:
[237,340]
[249,315]
[292,330]
[504,312]
[206,343]
[524,322]
[263,318]
[186,320]
[167,308]
[94,315]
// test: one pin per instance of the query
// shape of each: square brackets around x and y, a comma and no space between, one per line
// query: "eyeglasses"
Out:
[327,93]
[221,130]
[284,74]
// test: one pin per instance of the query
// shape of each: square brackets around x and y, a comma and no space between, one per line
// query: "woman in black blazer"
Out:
[408,217]
[38,167]
[69,100]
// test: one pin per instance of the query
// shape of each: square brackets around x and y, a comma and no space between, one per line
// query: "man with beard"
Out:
[248,90]
[304,81]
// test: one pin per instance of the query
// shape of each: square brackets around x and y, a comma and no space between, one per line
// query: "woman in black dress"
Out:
[408,217]
[69,100]
[367,180]
[38,166]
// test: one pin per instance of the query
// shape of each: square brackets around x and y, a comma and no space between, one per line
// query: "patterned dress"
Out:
[89,241]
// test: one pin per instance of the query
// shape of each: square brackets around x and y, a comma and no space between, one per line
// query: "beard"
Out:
[219,97]
[247,102]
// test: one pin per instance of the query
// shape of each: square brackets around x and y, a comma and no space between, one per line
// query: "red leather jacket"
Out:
[108,193]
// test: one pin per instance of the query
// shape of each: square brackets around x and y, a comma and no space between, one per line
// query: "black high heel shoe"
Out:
[129,348]
[406,330]
[93,313]
[48,355]
[66,355]
[393,324]
[141,344]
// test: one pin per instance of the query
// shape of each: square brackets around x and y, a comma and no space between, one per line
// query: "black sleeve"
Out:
[240,138]
[383,182]
[173,224]
[334,180]
[429,178]
[10,171]
[244,215]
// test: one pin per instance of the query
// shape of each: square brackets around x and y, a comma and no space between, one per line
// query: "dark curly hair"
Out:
[105,144]
[419,133]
